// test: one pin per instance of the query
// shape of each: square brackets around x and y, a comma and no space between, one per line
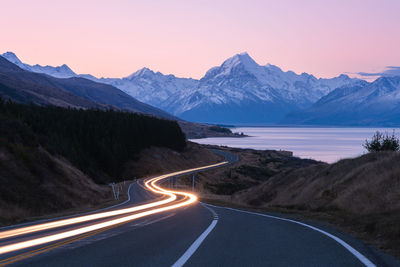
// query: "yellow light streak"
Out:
[150,184]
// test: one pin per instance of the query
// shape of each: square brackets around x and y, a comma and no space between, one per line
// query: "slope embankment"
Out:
[360,196]
[56,161]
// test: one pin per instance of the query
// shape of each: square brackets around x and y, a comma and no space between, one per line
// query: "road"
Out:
[191,234]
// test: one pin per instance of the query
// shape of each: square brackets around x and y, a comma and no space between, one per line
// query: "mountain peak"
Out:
[59,72]
[242,58]
[66,68]
[10,56]
[344,76]
[143,71]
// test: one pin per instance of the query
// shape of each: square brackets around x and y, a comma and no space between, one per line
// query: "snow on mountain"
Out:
[153,88]
[376,104]
[239,90]
[59,72]
[10,56]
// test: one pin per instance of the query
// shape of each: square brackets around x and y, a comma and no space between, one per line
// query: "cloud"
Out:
[388,71]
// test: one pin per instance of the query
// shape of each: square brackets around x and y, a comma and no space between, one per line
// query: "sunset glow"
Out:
[186,38]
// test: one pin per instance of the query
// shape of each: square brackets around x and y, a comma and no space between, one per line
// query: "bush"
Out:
[383,142]
[220,129]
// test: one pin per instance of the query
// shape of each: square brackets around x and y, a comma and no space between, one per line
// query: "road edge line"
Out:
[349,248]
[195,245]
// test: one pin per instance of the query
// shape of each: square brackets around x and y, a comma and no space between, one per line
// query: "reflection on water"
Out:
[325,144]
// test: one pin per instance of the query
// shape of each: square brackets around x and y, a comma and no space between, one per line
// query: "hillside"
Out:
[360,195]
[98,142]
[36,182]
[55,161]
[357,196]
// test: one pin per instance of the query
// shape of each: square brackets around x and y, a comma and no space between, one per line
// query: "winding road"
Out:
[157,226]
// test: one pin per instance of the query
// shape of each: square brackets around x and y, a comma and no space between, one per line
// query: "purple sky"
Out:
[186,38]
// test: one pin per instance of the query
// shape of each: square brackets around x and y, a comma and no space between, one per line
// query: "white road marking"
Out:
[352,250]
[192,249]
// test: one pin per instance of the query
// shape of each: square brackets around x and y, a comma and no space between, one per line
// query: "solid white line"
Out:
[192,249]
[352,250]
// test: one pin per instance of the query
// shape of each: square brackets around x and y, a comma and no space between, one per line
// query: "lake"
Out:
[325,144]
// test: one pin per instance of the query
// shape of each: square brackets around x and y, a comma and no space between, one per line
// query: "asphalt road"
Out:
[205,235]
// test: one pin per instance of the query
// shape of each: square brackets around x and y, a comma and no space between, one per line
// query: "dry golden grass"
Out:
[157,160]
[39,185]
[35,183]
[364,185]
[361,196]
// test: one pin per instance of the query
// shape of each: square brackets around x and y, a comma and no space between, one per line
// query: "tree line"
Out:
[99,142]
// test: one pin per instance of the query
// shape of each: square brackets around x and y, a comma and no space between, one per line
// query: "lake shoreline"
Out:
[323,144]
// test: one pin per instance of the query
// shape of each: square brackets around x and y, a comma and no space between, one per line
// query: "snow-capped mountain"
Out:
[59,72]
[238,91]
[242,91]
[376,104]
[153,88]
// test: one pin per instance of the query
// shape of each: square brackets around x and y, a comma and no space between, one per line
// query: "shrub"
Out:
[383,142]
[220,129]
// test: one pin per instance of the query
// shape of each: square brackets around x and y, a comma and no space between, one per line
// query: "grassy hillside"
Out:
[34,182]
[360,194]
[253,168]
[363,185]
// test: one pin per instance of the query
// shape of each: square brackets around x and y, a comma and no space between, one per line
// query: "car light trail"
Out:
[60,223]
[75,220]
[150,185]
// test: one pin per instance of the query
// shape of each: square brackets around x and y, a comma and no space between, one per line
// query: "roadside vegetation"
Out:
[361,196]
[383,142]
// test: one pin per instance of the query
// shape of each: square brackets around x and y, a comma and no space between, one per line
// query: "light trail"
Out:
[66,222]
[75,220]
[150,184]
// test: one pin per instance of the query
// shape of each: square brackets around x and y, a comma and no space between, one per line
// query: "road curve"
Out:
[191,235]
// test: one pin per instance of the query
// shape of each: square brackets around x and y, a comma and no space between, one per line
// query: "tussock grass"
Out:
[361,195]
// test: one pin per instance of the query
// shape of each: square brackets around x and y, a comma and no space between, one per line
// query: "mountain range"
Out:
[242,91]
[27,87]
[362,104]
[30,87]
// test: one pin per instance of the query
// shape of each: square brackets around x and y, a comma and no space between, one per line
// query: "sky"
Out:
[186,38]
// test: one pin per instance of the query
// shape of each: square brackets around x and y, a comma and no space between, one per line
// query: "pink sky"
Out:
[186,38]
